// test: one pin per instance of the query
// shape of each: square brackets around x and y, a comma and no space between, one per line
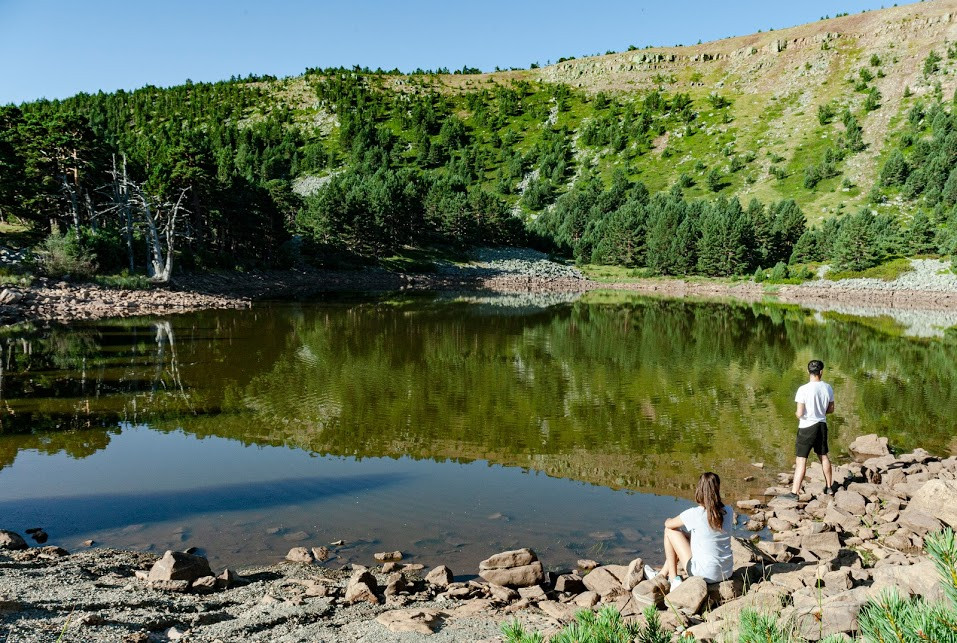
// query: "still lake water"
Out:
[446,428]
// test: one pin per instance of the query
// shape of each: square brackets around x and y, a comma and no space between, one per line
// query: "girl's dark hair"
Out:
[708,495]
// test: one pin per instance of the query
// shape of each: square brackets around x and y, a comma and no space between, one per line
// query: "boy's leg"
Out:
[828,472]
[800,469]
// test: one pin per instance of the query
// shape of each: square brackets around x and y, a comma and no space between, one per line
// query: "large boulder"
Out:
[509,559]
[179,566]
[605,582]
[689,595]
[917,580]
[851,502]
[441,576]
[825,544]
[11,540]
[870,445]
[937,498]
[836,615]
[362,586]
[516,568]
[523,576]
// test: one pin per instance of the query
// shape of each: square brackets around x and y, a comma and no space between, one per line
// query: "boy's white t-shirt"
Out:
[816,397]
[711,555]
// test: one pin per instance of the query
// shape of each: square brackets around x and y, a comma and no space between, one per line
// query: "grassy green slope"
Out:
[761,143]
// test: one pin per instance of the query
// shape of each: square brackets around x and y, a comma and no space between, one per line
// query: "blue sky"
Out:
[57,48]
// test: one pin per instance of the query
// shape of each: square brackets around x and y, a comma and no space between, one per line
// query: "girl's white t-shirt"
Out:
[711,555]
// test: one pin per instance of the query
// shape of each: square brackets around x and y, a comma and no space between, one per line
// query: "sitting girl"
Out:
[699,538]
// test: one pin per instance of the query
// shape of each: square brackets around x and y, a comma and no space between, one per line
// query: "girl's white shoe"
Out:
[650,572]
[675,582]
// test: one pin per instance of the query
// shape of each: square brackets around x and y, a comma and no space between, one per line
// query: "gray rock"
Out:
[650,592]
[176,566]
[509,559]
[634,574]
[823,545]
[570,584]
[11,540]
[396,583]
[690,595]
[850,501]
[837,517]
[299,555]
[388,556]
[362,586]
[532,593]
[919,521]
[558,611]
[503,594]
[917,580]
[604,582]
[204,585]
[936,498]
[522,576]
[870,445]
[441,576]
[587,599]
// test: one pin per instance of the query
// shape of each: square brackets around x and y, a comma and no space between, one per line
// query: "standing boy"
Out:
[814,401]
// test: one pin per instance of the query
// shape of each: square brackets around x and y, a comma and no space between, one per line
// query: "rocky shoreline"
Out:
[827,556]
[495,271]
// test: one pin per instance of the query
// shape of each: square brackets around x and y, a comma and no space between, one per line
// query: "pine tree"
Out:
[921,238]
[856,245]
[895,170]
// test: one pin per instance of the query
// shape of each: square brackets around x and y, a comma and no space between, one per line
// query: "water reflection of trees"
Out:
[609,393]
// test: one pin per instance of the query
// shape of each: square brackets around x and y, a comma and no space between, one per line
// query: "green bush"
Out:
[780,272]
[605,626]
[62,255]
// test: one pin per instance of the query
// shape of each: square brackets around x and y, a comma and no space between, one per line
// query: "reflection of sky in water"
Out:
[214,493]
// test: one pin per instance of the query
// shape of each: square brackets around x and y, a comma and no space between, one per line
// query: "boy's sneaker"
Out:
[789,496]
[675,582]
[829,490]
[650,572]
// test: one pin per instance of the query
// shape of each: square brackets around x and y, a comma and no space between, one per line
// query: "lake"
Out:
[448,427]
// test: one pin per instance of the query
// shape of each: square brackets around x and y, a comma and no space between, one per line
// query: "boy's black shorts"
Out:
[812,437]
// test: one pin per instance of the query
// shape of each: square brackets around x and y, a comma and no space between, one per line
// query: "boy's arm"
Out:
[800,410]
[830,407]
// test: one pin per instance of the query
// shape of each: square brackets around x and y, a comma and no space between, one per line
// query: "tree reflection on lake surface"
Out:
[628,394]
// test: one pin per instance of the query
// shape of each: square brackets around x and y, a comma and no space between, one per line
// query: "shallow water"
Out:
[446,428]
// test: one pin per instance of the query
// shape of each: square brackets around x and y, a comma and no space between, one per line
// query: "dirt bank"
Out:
[826,557]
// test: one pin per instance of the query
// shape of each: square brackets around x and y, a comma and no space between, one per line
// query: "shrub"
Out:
[62,255]
[605,626]
[713,179]
[780,272]
[825,113]
[932,63]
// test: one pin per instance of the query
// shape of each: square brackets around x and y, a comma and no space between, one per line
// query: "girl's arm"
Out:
[674,523]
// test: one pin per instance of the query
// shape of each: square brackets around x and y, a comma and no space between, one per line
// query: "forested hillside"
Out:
[834,141]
